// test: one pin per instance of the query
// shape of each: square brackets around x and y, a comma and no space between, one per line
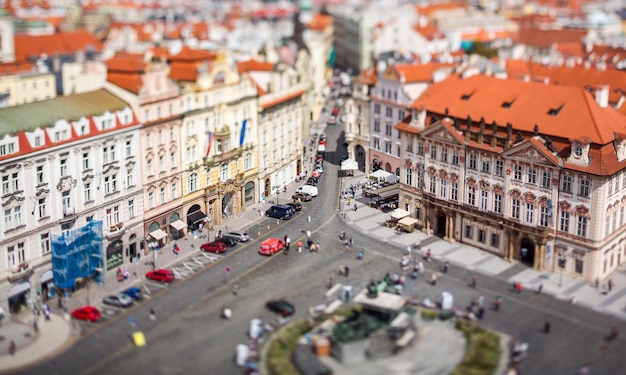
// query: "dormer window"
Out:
[507,104]
[555,111]
[578,151]
[466,96]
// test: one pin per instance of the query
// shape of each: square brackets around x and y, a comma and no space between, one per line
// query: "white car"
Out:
[240,236]
[308,189]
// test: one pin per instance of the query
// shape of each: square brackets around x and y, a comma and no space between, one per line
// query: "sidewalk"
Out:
[366,220]
[57,334]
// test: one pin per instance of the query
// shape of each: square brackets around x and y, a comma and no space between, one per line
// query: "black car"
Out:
[281,306]
[303,197]
[312,181]
[296,205]
[227,240]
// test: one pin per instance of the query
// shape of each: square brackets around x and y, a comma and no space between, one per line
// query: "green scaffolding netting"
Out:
[78,254]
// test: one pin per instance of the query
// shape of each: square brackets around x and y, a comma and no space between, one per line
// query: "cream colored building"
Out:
[26,87]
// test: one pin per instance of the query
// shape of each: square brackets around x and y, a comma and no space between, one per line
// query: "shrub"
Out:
[281,348]
[482,353]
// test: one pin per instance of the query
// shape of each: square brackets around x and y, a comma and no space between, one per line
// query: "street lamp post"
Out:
[209,226]
[155,247]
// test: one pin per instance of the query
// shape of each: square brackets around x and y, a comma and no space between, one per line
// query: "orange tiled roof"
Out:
[320,22]
[63,43]
[428,31]
[16,68]
[546,38]
[282,99]
[190,54]
[125,69]
[254,65]
[605,53]
[428,10]
[577,113]
[368,77]
[487,35]
[575,77]
[184,70]
[418,72]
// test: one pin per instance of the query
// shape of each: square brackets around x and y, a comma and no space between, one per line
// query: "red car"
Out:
[89,313]
[214,247]
[165,276]
[271,246]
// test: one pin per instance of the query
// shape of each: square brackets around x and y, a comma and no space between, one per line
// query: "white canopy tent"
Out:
[384,175]
[399,213]
[349,165]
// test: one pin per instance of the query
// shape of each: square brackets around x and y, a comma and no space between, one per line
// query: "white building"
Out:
[63,163]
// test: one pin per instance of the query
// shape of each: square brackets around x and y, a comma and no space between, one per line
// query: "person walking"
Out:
[496,303]
[540,288]
[299,246]
[330,282]
[342,269]
[518,287]
[546,327]
[46,312]
[420,267]
[474,281]
[610,284]
[152,315]
[433,279]
[346,271]
[445,266]
[12,347]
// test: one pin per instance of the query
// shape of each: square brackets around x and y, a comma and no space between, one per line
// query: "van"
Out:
[280,211]
[308,189]
[271,246]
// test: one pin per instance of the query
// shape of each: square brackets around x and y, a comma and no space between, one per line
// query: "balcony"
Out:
[20,272]
[69,212]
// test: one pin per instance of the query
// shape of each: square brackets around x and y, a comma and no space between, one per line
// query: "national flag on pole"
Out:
[242,138]
[210,136]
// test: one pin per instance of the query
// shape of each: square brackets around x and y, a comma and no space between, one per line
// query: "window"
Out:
[87,192]
[444,154]
[44,239]
[472,161]
[455,157]
[105,155]
[532,176]
[388,129]
[39,174]
[131,208]
[578,266]
[420,148]
[41,205]
[583,189]
[85,161]
[454,191]
[499,169]
[469,232]
[546,179]
[129,149]
[17,215]
[484,200]
[471,196]
[130,178]
[163,195]
[544,216]
[481,236]
[174,190]
[515,208]
[247,161]
[8,219]
[110,184]
[63,167]
[112,153]
[224,172]
[565,221]
[161,164]
[6,186]
[160,135]
[566,184]
[377,126]
[388,147]
[495,240]
[148,140]
[517,172]
[530,213]
[149,167]
[377,108]
[621,216]
[607,229]
[15,183]
[486,166]
[66,200]
[409,176]
[443,188]
[38,141]
[581,230]
[388,111]
[173,160]
[433,151]
[497,203]
[113,215]
[431,184]
[151,199]
[192,182]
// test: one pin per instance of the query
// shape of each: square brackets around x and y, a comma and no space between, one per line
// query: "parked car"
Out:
[271,246]
[308,189]
[304,197]
[89,313]
[316,174]
[281,306]
[242,236]
[322,142]
[335,111]
[120,300]
[214,247]
[313,181]
[319,169]
[229,241]
[280,211]
[162,275]
[319,158]
[296,205]
[134,293]
[322,137]
[332,120]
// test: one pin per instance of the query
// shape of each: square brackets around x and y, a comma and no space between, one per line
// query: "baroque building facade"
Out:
[528,171]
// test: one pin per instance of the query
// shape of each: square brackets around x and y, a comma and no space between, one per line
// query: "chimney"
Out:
[602,95]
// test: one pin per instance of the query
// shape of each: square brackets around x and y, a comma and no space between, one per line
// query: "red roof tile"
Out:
[254,65]
[63,43]
[320,22]
[418,72]
[282,99]
[547,38]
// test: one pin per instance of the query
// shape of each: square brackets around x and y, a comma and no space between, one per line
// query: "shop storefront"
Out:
[47,285]
[177,227]
[19,297]
[114,254]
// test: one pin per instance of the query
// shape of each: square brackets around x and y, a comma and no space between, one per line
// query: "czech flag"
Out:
[210,136]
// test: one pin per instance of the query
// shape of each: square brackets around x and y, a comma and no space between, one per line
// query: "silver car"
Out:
[240,236]
[121,300]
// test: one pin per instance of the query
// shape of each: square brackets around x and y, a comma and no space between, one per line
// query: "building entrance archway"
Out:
[527,251]
[360,157]
[440,230]
[227,205]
